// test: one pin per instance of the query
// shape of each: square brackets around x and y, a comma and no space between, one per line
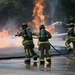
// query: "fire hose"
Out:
[61,53]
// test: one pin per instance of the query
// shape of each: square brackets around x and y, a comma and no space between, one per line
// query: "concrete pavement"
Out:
[59,66]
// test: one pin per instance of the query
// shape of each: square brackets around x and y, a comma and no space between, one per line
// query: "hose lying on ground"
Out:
[61,53]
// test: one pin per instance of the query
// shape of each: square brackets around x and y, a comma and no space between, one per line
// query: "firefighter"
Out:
[44,44]
[27,43]
[71,38]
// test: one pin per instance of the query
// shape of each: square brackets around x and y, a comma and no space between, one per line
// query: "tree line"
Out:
[21,10]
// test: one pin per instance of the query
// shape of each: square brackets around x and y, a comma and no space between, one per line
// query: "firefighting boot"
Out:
[42,62]
[27,62]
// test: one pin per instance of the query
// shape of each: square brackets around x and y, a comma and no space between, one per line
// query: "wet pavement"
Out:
[60,65]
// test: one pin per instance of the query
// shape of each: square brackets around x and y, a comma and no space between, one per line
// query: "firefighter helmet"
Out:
[24,25]
[42,26]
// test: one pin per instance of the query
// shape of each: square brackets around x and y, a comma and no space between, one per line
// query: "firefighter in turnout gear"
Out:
[27,43]
[71,38]
[44,44]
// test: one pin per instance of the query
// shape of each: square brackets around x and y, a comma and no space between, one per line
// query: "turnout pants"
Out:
[67,43]
[44,47]
[29,50]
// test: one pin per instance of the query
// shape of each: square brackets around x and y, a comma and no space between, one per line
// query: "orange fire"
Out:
[38,17]
[6,40]
[4,33]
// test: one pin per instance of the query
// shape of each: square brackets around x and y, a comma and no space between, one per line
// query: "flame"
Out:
[6,40]
[38,17]
[4,33]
